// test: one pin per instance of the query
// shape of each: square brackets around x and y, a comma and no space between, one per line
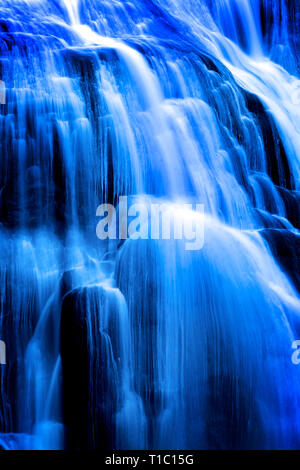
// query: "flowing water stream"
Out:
[143,344]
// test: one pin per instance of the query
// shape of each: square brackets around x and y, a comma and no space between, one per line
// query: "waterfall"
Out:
[141,343]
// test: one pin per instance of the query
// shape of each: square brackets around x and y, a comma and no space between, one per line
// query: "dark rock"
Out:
[285,246]
[291,201]
[18,319]
[277,161]
[89,352]
[24,200]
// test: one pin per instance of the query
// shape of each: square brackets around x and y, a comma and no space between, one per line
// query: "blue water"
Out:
[143,344]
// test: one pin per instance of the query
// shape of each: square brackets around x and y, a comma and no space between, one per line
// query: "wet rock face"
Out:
[19,312]
[277,161]
[291,201]
[294,13]
[285,246]
[90,376]
[24,203]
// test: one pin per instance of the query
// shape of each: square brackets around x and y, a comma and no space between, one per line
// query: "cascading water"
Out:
[143,344]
